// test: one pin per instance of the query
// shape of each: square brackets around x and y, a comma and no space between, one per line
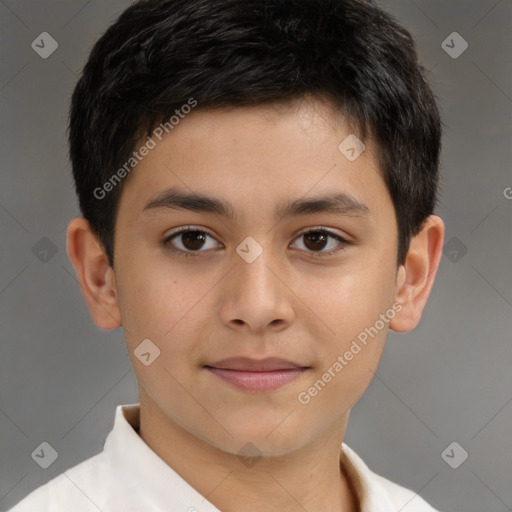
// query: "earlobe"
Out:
[416,276]
[94,273]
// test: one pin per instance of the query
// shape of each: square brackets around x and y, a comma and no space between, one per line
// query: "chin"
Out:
[260,438]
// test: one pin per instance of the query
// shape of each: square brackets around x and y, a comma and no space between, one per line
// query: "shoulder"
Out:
[402,498]
[68,487]
[378,493]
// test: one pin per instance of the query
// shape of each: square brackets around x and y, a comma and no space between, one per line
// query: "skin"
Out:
[292,302]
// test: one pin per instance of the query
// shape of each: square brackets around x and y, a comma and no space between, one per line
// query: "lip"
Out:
[257,375]
[255,365]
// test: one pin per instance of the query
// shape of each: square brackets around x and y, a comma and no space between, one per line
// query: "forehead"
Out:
[252,156]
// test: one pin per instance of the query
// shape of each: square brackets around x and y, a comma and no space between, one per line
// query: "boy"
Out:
[257,181]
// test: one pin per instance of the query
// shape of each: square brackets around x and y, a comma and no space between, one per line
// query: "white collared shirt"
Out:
[128,476]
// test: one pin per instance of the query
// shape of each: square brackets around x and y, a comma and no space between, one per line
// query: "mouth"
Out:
[256,375]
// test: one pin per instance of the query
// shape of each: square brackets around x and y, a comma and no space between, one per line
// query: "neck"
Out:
[310,478]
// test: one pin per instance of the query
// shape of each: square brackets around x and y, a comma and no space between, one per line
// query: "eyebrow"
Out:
[340,203]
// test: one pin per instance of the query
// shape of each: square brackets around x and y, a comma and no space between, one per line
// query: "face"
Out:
[293,257]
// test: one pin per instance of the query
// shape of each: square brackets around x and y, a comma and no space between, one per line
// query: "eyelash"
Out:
[168,246]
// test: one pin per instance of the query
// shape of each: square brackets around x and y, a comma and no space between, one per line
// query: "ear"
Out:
[416,276]
[94,273]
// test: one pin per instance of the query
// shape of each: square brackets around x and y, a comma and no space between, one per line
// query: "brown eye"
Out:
[316,240]
[193,240]
[188,241]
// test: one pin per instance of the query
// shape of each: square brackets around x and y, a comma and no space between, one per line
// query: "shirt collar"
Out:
[141,468]
[371,495]
[138,463]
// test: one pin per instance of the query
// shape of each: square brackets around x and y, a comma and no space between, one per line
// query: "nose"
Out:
[256,296]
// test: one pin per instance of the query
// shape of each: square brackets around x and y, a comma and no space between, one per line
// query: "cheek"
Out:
[347,299]
[163,305]
[348,306]
[348,355]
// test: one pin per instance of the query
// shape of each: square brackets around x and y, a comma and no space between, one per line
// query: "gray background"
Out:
[449,380]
